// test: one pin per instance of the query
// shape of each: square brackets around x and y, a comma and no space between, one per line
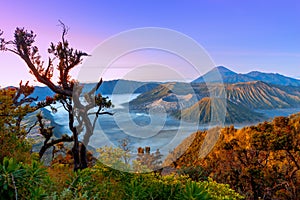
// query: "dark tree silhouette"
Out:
[68,91]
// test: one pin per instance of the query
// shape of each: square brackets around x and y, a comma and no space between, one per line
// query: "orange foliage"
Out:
[261,161]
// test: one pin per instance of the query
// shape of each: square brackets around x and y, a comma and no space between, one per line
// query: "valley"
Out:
[157,113]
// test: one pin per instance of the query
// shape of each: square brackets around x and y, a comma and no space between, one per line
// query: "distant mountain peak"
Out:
[221,74]
[223,69]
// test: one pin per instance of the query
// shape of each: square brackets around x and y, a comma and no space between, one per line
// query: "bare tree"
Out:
[68,91]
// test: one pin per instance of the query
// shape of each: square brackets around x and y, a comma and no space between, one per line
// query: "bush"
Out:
[220,191]
[193,191]
[32,181]
[24,181]
[196,173]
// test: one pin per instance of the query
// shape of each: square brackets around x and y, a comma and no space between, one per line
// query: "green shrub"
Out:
[196,173]
[194,191]
[220,191]
[31,181]
[22,181]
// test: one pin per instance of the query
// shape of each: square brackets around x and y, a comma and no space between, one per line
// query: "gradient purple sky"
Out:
[241,35]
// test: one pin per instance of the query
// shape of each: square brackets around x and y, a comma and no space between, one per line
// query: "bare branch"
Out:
[27,100]
[101,113]
[96,87]
[65,30]
[49,69]
[13,51]
[54,142]
[106,113]
[31,127]
[45,80]
[18,94]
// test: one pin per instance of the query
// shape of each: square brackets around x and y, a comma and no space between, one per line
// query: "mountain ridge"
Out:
[221,74]
[118,86]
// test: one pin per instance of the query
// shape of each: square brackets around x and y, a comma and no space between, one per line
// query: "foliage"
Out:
[193,191]
[34,181]
[261,161]
[68,91]
[220,191]
[24,181]
[107,183]
[104,182]
[196,173]
[114,158]
[14,106]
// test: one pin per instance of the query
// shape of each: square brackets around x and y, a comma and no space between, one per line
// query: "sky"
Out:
[240,35]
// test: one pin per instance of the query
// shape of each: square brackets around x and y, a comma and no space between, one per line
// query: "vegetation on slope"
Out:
[261,161]
[33,181]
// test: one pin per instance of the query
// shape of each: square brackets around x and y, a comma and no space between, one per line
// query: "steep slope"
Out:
[171,96]
[240,157]
[190,147]
[293,90]
[259,95]
[216,110]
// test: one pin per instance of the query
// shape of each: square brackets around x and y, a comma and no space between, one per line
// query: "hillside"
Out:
[251,160]
[171,96]
[215,110]
[259,95]
[293,90]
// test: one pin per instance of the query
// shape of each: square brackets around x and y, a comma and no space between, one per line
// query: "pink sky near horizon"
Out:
[242,36]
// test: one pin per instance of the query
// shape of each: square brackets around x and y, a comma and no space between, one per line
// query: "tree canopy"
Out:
[63,58]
